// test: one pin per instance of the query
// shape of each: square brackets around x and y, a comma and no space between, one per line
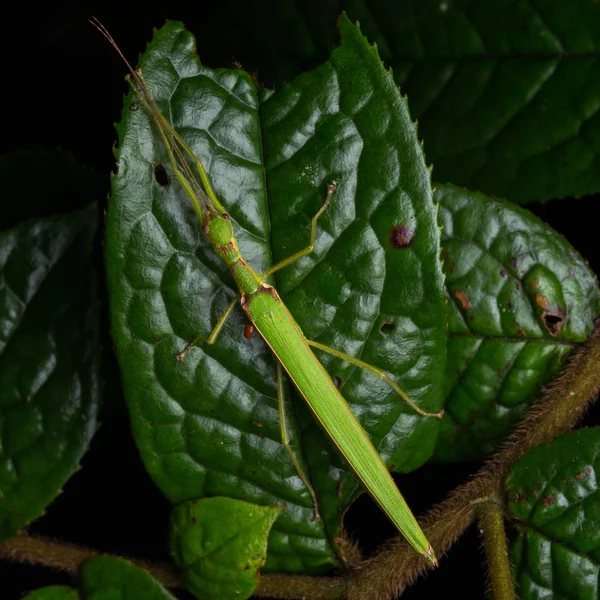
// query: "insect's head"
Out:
[218,229]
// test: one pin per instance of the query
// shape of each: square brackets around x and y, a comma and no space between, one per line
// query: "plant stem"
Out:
[396,565]
[67,557]
[491,520]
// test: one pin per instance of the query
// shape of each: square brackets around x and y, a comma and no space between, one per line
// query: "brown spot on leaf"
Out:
[256,424]
[548,500]
[249,331]
[194,520]
[339,489]
[461,296]
[514,261]
[583,473]
[534,283]
[401,237]
[571,272]
[541,301]
[503,273]
[392,467]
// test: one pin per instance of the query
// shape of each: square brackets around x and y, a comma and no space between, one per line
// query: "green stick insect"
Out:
[269,315]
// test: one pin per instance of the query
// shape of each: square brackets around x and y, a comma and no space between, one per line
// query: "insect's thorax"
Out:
[219,231]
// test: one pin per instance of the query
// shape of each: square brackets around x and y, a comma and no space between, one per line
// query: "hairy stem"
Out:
[395,566]
[491,522]
[67,557]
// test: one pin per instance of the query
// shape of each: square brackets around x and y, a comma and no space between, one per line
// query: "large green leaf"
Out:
[506,93]
[210,426]
[49,361]
[221,544]
[520,298]
[112,578]
[554,497]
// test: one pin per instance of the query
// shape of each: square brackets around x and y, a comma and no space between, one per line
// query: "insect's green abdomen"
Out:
[282,334]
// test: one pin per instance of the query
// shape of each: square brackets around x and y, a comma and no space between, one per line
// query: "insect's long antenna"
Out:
[171,140]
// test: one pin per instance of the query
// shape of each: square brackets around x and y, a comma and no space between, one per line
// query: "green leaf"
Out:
[520,299]
[210,426]
[221,544]
[49,361]
[53,592]
[112,578]
[554,497]
[506,93]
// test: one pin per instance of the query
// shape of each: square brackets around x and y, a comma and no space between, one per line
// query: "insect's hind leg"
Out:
[212,338]
[380,373]
[331,187]
[283,401]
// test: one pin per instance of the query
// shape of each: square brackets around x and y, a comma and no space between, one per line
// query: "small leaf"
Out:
[221,544]
[112,578]
[553,494]
[209,426]
[520,298]
[49,361]
[53,592]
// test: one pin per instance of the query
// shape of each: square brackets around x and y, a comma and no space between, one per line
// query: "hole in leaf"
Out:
[161,176]
[553,321]
[387,327]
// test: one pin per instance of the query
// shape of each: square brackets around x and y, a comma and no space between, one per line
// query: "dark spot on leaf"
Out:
[553,321]
[503,273]
[596,329]
[571,272]
[339,489]
[161,176]
[392,467]
[246,567]
[514,261]
[387,327]
[548,500]
[401,237]
[194,520]
[534,283]
[510,305]
[133,107]
[337,381]
[256,423]
[157,339]
[461,296]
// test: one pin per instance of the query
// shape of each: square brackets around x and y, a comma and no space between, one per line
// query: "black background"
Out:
[62,86]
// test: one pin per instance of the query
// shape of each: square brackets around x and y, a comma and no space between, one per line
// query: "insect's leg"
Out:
[285,410]
[363,365]
[331,187]
[214,334]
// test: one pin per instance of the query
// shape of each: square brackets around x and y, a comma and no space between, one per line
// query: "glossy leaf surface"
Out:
[506,93]
[221,544]
[373,287]
[554,496]
[520,298]
[49,361]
